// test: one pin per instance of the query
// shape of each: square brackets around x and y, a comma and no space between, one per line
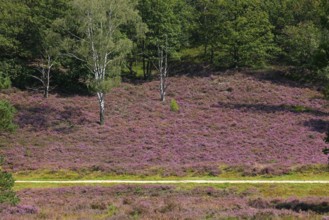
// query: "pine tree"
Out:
[245,37]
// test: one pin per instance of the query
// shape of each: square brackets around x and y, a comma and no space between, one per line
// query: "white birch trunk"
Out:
[163,69]
[101,101]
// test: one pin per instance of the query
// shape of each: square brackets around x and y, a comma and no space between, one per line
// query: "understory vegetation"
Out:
[163,202]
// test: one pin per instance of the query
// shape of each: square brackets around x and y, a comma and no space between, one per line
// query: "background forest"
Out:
[47,37]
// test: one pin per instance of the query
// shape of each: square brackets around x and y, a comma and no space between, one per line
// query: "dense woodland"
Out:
[84,46]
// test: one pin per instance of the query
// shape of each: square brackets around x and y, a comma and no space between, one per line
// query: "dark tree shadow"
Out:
[298,206]
[282,77]
[44,118]
[271,108]
[317,125]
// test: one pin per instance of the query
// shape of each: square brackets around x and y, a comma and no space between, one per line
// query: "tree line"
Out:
[87,46]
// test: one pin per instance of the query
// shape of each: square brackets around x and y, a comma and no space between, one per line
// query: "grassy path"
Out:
[173,181]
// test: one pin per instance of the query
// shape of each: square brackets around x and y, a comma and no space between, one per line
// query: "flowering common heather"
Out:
[236,119]
[157,202]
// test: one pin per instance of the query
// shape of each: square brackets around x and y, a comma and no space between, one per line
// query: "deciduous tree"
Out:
[97,39]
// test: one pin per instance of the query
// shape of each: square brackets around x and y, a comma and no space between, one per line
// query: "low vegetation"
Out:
[7,113]
[7,195]
[162,202]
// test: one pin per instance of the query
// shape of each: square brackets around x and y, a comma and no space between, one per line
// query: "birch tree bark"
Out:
[163,70]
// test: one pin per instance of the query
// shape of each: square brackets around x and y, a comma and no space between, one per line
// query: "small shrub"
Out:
[259,203]
[7,195]
[7,112]
[300,108]
[112,210]
[174,107]
[5,82]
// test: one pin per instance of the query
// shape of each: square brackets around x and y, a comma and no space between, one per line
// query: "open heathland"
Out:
[161,202]
[250,119]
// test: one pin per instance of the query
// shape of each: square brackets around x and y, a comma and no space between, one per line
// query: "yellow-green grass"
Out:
[257,190]
[265,190]
[316,172]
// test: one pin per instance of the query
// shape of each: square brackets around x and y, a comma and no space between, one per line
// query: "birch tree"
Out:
[96,28]
[163,70]
[49,54]
[45,40]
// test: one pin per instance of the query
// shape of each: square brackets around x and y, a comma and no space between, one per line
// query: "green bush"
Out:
[7,112]
[324,73]
[174,106]
[326,91]
[5,82]
[7,195]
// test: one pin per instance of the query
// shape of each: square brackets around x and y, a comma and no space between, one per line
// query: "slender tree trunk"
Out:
[131,62]
[45,94]
[149,63]
[47,83]
[212,55]
[162,88]
[101,101]
[163,70]
[144,61]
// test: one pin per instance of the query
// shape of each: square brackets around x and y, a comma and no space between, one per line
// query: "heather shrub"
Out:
[174,107]
[259,203]
[265,170]
[7,112]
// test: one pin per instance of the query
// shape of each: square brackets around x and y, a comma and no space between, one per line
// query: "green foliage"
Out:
[168,23]
[7,195]
[7,112]
[246,37]
[324,73]
[111,210]
[166,20]
[300,108]
[16,70]
[228,33]
[5,82]
[174,107]
[99,40]
[103,86]
[302,43]
[14,21]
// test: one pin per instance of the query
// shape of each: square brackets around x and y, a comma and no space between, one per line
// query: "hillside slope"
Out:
[233,119]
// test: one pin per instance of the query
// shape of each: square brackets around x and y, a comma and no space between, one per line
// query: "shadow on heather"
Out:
[298,206]
[267,108]
[282,77]
[318,125]
[46,118]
